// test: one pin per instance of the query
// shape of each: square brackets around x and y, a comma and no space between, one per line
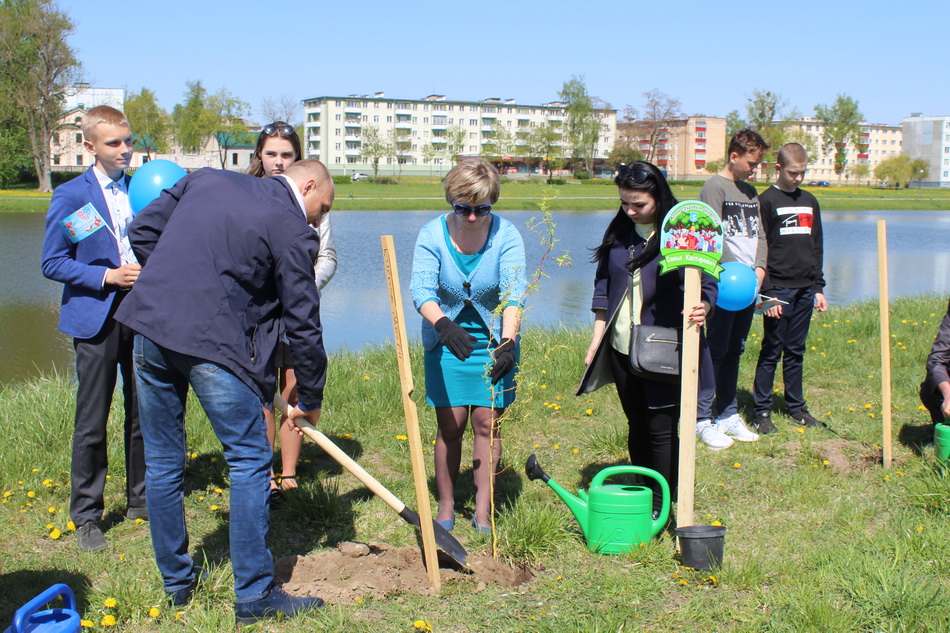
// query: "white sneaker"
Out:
[735,427]
[711,436]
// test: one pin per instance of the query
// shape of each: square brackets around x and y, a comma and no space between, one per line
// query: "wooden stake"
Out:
[412,420]
[688,399]
[885,342]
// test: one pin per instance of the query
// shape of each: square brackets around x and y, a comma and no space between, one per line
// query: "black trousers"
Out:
[933,400]
[98,361]
[784,339]
[652,440]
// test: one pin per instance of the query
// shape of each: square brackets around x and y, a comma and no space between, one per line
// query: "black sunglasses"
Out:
[637,173]
[465,210]
[273,129]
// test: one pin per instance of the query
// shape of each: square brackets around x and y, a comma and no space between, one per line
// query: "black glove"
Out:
[453,336]
[504,356]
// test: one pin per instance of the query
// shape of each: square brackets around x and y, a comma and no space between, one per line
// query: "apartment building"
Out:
[427,133]
[878,141]
[683,147]
[928,137]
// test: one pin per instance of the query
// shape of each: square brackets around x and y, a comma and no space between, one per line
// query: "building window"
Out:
[337,160]
[337,146]
[56,159]
[79,159]
[389,119]
[79,137]
[234,158]
[352,159]
[337,131]
[337,117]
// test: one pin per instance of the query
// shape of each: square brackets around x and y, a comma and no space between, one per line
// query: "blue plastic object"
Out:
[737,286]
[65,620]
[150,179]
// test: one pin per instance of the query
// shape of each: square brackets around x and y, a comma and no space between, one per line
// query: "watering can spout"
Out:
[577,505]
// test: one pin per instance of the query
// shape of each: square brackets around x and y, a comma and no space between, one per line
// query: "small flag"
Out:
[83,223]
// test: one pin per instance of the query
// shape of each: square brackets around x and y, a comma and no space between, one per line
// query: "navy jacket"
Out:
[662,305]
[81,267]
[224,257]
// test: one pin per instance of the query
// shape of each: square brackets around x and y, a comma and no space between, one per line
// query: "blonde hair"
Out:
[101,114]
[472,180]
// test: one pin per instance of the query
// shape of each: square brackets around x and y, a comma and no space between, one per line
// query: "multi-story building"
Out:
[878,141]
[683,147]
[928,137]
[426,134]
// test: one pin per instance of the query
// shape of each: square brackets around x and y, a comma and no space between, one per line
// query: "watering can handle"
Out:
[613,471]
[24,612]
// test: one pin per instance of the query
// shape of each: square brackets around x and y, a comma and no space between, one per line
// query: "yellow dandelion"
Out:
[557,446]
[422,625]
[683,581]
[48,483]
[557,407]
[71,526]
[55,534]
[35,470]
[813,348]
[86,624]
[214,508]
[108,620]
[348,436]
[110,603]
[800,430]
[219,491]
[179,614]
[870,415]
[544,386]
[737,465]
[139,521]
[887,477]
[122,556]
[575,451]
[867,406]
[589,412]
[49,526]
[7,494]
[31,494]
[716,523]
[544,371]
[537,445]
[365,377]
[402,437]
[214,460]
[201,498]
[153,612]
[825,462]
[920,528]
[852,408]
[713,580]
[51,510]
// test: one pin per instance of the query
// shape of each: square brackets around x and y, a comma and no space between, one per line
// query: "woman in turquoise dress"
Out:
[468,283]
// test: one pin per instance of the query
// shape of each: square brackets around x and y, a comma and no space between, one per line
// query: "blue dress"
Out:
[451,382]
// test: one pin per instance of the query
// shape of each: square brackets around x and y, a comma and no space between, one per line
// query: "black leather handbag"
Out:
[655,352]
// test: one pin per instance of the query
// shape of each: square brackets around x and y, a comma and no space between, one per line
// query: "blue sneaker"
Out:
[275,602]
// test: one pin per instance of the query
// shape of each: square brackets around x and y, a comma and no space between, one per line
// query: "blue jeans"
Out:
[162,379]
[726,332]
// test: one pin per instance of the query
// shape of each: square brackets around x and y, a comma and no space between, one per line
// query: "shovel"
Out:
[445,541]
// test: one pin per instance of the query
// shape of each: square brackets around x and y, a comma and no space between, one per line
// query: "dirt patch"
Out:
[843,456]
[343,575]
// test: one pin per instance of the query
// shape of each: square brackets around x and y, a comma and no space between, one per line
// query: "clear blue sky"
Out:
[890,56]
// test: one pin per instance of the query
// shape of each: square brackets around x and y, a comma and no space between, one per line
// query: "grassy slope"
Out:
[808,547]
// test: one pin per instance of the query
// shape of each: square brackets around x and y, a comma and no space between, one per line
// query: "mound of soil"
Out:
[843,456]
[356,570]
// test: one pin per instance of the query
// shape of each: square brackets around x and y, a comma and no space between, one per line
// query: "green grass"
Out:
[808,547]
[417,193]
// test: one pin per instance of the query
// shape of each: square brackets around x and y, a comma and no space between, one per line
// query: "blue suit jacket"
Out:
[224,257]
[80,267]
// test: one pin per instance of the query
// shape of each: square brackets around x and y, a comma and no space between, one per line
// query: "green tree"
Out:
[500,144]
[842,125]
[230,128]
[455,136]
[622,155]
[150,124]
[581,121]
[734,123]
[716,166]
[15,150]
[400,144]
[920,170]
[429,154]
[860,172]
[194,120]
[37,68]
[895,171]
[373,146]
[546,143]
[767,113]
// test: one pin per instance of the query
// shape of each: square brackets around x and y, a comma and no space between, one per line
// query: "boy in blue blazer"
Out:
[87,249]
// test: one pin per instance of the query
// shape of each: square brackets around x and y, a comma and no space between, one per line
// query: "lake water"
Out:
[355,308]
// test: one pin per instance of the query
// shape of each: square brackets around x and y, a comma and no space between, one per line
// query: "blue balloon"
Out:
[149,180]
[737,287]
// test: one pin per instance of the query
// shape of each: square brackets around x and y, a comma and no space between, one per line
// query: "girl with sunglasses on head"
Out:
[468,282]
[278,147]
[628,290]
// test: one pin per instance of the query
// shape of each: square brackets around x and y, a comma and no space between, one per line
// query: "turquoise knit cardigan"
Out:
[499,277]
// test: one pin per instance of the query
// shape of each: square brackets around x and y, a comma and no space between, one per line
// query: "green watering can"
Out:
[613,517]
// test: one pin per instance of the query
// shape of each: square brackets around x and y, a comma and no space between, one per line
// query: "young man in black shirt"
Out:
[791,219]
